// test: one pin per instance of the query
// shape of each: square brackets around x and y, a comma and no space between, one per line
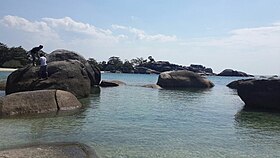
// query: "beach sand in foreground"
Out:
[7,69]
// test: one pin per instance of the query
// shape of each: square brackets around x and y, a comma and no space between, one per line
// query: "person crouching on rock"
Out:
[43,67]
[34,52]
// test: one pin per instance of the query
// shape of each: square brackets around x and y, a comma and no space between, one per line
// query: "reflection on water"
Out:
[258,119]
[132,121]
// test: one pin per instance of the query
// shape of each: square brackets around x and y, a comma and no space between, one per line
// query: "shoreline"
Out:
[7,69]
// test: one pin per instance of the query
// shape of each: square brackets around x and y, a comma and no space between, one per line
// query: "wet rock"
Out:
[154,86]
[113,83]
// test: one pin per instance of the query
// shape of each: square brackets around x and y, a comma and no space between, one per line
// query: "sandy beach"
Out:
[7,69]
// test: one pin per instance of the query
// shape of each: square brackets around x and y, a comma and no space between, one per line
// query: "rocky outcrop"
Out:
[230,72]
[163,66]
[36,102]
[64,75]
[144,70]
[182,79]
[53,150]
[113,83]
[200,69]
[65,55]
[260,93]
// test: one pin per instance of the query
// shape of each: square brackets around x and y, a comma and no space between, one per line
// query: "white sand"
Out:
[7,69]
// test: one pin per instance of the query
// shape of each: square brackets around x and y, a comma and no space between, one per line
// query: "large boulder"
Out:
[36,102]
[260,93]
[182,79]
[230,72]
[65,55]
[64,75]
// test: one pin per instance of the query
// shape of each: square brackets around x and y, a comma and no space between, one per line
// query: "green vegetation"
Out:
[115,64]
[14,57]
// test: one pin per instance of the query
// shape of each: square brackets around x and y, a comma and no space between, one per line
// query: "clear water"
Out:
[132,121]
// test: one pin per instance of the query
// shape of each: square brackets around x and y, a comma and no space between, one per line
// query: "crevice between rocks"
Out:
[55,97]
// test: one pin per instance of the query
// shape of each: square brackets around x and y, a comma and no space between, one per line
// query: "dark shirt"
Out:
[35,50]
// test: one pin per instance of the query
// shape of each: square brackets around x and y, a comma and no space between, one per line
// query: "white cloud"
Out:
[70,25]
[240,48]
[265,37]
[18,23]
[142,35]
[24,25]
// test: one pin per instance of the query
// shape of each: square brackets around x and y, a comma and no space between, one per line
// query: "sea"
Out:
[132,121]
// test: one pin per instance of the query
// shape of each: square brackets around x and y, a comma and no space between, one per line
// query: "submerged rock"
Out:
[113,83]
[182,79]
[154,86]
[54,150]
[260,93]
[36,102]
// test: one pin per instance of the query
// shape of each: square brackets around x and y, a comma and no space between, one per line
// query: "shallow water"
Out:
[132,121]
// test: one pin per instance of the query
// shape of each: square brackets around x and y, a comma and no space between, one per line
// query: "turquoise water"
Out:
[132,121]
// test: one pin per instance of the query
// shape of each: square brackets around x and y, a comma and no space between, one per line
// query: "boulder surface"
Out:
[93,72]
[182,79]
[41,101]
[64,75]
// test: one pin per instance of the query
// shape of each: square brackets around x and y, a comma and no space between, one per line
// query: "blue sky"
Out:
[239,34]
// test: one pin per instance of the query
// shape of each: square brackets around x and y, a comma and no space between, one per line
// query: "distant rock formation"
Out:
[182,79]
[144,70]
[157,67]
[259,93]
[36,102]
[230,72]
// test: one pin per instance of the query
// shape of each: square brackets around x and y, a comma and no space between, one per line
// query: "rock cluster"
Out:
[66,71]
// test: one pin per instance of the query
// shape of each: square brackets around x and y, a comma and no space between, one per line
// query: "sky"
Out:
[243,35]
